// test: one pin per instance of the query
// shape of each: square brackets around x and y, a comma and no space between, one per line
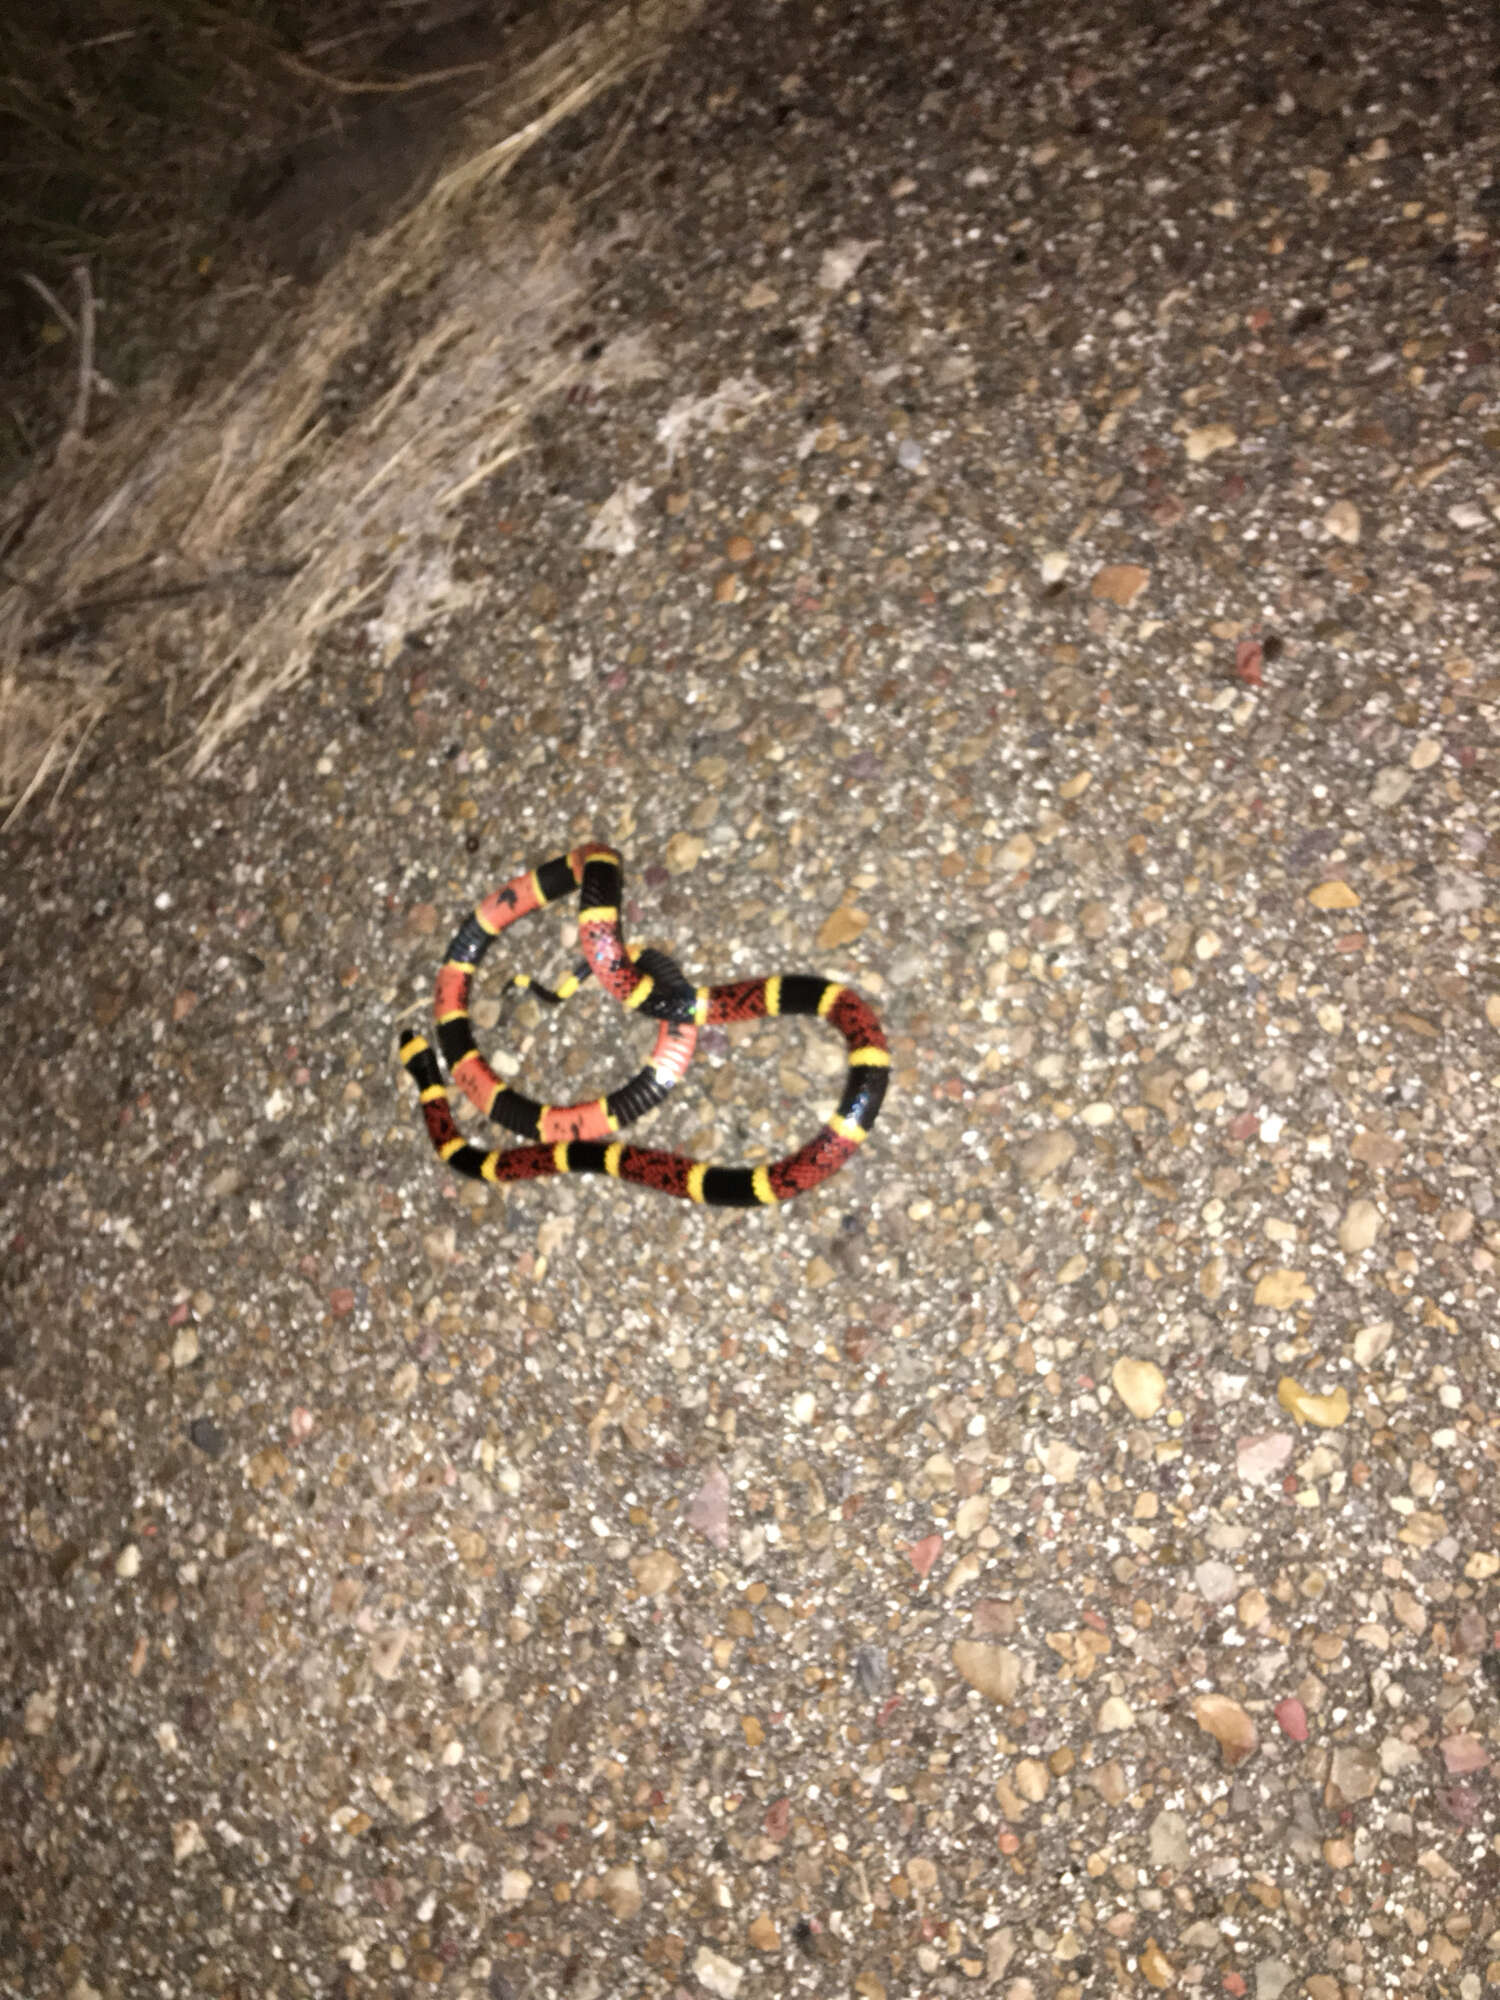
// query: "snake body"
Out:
[581,1138]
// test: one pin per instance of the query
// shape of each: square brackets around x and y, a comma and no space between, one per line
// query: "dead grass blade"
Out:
[456,309]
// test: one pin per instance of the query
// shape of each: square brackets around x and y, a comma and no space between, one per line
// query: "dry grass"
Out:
[200,550]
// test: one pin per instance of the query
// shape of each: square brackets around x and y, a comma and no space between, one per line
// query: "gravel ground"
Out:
[1050,584]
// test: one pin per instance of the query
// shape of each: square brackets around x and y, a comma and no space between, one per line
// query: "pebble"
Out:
[1140,1386]
[1307,1407]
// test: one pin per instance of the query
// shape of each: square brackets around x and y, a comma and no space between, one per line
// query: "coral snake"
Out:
[581,1138]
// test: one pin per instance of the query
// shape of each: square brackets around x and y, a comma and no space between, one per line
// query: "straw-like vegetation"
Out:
[189,547]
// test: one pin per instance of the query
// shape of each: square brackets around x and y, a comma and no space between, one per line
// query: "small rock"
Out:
[1333,896]
[842,927]
[387,1650]
[1140,1386]
[763,1933]
[1425,753]
[1216,1582]
[1060,1461]
[1464,1753]
[515,1885]
[1283,1289]
[1372,1341]
[621,1892]
[1203,442]
[1045,1153]
[1258,1459]
[1115,1714]
[656,1572]
[1391,786]
[1354,1772]
[206,1436]
[1119,583]
[1168,1837]
[1156,1967]
[994,1671]
[1228,1724]
[1272,1977]
[716,1975]
[1032,1780]
[683,853]
[1362,1223]
[1326,1412]
[1018,852]
[708,1510]
[1342,521]
[1291,1717]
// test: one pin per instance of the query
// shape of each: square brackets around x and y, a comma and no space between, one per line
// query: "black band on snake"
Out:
[579,1138]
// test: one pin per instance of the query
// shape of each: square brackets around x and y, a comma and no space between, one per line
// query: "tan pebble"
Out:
[515,1885]
[1209,945]
[739,548]
[993,1671]
[1231,1726]
[726,590]
[1372,1341]
[1060,1461]
[1325,1412]
[1054,565]
[185,1347]
[759,296]
[1253,1609]
[763,1934]
[1482,1565]
[1203,442]
[1045,1153]
[1283,1289]
[1492,1009]
[128,1561]
[1362,1222]
[1330,1018]
[1018,852]
[1076,786]
[1156,1967]
[621,1892]
[1333,896]
[719,1976]
[1119,583]
[655,1572]
[1338,1853]
[842,927]
[1140,1386]
[819,1271]
[1075,1268]
[388,1649]
[1455,1225]
[1032,1779]
[1390,786]
[1115,1713]
[187,1838]
[684,852]
[1342,521]
[1425,753]
[1098,1114]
